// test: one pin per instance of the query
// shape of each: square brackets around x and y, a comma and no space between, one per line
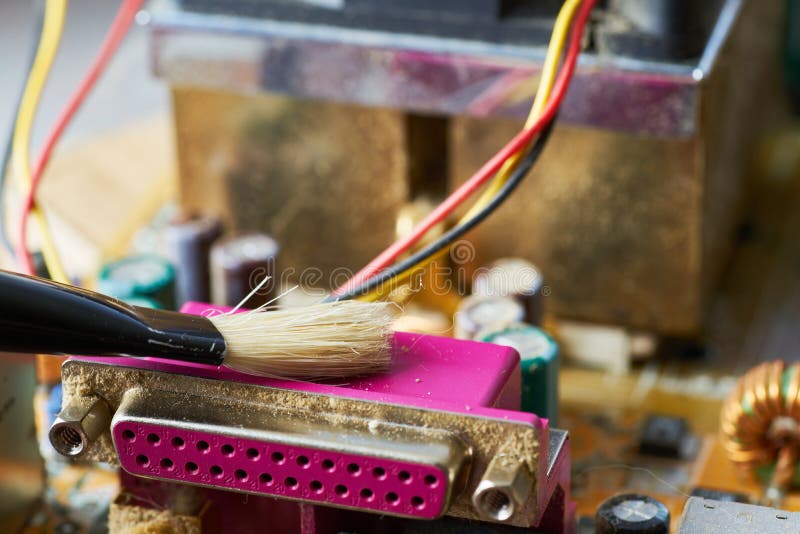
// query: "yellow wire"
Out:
[549,69]
[52,28]
[546,82]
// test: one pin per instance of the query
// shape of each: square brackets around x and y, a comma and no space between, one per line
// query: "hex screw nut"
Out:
[504,488]
[79,424]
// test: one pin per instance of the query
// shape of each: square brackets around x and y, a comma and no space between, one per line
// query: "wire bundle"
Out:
[367,283]
[52,28]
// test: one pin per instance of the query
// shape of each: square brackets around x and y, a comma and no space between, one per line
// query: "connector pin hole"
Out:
[353,469]
[142,460]
[302,461]
[404,476]
[379,473]
[392,498]
[178,442]
[240,474]
[367,494]
[153,439]
[290,482]
[417,502]
[431,481]
[216,471]
[265,478]
[328,465]
[128,435]
[191,467]
[253,454]
[278,457]
[203,446]
[227,450]
[167,464]
[316,486]
[340,490]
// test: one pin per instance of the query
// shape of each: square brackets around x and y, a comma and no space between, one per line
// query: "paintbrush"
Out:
[319,341]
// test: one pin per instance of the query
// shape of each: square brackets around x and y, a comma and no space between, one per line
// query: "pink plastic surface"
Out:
[324,477]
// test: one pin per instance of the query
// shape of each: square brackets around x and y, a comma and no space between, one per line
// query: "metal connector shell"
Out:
[289,452]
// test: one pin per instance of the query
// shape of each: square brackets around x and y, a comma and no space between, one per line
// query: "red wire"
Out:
[519,142]
[116,33]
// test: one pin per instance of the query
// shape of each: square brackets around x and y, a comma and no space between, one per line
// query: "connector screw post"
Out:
[78,425]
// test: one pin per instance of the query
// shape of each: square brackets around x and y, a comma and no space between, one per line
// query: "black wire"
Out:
[37,35]
[454,234]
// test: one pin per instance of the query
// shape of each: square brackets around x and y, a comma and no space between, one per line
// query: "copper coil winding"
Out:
[760,421]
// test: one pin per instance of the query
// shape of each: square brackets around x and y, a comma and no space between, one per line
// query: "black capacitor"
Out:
[238,264]
[189,242]
[632,514]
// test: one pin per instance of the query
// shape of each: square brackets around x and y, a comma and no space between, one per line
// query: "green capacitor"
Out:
[539,365]
[140,277]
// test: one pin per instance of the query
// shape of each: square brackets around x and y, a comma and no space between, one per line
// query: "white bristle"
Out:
[331,340]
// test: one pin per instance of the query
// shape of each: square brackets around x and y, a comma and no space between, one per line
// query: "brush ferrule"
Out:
[179,336]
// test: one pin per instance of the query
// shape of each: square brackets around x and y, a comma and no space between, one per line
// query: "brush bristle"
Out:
[332,340]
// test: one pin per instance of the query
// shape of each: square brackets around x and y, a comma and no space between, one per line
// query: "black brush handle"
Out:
[43,317]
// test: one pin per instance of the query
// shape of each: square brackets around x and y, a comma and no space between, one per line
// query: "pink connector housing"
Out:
[327,477]
[428,372]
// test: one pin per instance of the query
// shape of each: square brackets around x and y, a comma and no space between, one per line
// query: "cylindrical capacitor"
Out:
[189,242]
[239,264]
[632,514]
[148,277]
[539,364]
[514,277]
[476,314]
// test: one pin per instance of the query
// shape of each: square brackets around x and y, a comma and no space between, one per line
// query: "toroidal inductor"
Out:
[760,423]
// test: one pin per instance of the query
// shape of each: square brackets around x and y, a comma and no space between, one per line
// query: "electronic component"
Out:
[403,443]
[514,277]
[146,276]
[238,264]
[285,453]
[632,513]
[759,423]
[189,243]
[704,516]
[664,436]
[539,365]
[478,314]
